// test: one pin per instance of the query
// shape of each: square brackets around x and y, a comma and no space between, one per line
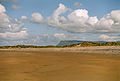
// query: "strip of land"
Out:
[91,49]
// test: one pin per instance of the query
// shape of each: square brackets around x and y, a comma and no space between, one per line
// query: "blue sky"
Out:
[46,7]
[53,31]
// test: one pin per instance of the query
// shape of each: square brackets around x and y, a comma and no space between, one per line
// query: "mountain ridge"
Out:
[72,42]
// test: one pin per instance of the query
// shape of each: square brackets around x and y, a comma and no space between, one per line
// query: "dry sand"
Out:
[60,64]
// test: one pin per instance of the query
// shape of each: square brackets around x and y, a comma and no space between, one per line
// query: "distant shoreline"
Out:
[83,44]
[90,49]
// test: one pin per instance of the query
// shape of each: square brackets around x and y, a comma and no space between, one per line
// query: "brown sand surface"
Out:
[60,64]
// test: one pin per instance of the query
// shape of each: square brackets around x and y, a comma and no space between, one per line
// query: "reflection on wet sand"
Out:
[58,66]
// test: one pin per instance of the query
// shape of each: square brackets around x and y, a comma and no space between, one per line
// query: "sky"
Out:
[47,22]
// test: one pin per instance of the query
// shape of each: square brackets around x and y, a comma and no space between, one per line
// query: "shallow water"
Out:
[58,66]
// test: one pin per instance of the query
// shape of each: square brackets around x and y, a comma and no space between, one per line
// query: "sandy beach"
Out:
[60,64]
[91,49]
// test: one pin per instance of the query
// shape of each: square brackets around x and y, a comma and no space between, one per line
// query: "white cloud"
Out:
[104,37]
[15,7]
[14,35]
[16,27]
[115,15]
[55,19]
[79,21]
[2,9]
[37,18]
[92,20]
[4,19]
[60,36]
[61,9]
[74,23]
[80,15]
[78,18]
[11,29]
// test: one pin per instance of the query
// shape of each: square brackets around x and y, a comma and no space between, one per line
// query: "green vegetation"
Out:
[96,44]
[74,45]
[29,46]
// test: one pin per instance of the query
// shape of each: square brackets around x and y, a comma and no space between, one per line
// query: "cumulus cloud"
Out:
[55,19]
[79,21]
[60,36]
[92,21]
[37,18]
[14,35]
[2,9]
[76,21]
[115,15]
[15,7]
[4,19]
[11,29]
[105,37]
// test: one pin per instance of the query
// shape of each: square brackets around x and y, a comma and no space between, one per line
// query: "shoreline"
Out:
[91,49]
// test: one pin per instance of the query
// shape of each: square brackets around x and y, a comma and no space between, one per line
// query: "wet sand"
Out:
[60,64]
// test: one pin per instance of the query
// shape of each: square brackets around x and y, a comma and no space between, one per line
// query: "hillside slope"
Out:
[72,42]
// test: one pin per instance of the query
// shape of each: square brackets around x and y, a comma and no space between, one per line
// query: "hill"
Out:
[72,42]
[86,44]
